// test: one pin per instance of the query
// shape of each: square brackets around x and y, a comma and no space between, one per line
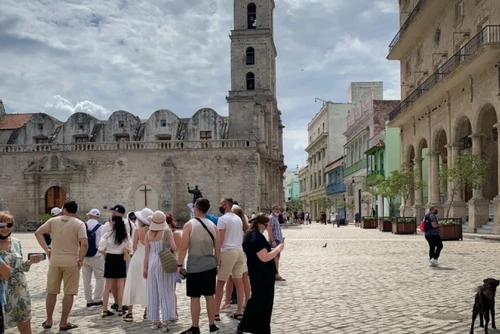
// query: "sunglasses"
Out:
[8,225]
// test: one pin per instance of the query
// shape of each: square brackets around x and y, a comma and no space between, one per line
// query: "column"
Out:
[476,149]
[433,178]
[418,175]
[455,152]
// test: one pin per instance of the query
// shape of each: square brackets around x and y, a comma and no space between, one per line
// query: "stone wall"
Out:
[381,110]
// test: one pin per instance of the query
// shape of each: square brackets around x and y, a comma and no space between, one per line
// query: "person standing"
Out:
[201,242]
[54,212]
[69,246]
[94,261]
[232,261]
[276,237]
[432,236]
[5,272]
[161,285]
[262,271]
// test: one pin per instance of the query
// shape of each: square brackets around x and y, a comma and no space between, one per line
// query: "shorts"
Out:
[277,243]
[232,262]
[70,276]
[201,284]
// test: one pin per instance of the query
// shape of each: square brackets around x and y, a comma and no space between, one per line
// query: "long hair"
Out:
[119,230]
[260,218]
[170,221]
[239,212]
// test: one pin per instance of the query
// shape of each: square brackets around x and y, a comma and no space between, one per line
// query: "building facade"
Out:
[450,83]
[335,186]
[138,163]
[291,187]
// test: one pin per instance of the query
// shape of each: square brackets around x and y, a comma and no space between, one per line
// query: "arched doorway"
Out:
[146,197]
[464,140]
[489,148]
[54,197]
[441,148]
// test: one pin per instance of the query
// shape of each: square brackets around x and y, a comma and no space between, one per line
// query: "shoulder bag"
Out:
[168,259]
[206,228]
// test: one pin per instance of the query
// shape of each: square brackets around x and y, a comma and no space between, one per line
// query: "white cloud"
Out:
[63,108]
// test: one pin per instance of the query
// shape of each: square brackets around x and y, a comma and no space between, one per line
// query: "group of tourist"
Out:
[126,256]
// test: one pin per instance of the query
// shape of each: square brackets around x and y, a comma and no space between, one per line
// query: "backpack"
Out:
[92,250]
[425,224]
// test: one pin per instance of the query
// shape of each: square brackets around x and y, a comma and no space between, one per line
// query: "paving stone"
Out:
[365,281]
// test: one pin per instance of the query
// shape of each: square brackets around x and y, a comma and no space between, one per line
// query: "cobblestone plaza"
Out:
[364,281]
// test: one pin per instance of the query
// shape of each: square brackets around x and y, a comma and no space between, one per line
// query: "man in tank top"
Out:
[200,240]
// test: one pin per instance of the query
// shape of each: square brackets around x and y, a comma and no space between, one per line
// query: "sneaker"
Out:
[435,261]
[99,303]
[193,330]
[214,329]
[91,304]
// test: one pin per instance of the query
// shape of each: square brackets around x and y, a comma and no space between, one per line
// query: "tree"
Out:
[367,200]
[325,203]
[295,205]
[386,189]
[469,171]
[403,183]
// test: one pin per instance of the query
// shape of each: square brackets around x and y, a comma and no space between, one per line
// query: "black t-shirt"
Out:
[255,242]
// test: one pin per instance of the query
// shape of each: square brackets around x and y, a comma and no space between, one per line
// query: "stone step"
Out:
[484,231]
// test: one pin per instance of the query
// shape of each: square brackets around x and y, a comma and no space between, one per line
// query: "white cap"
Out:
[55,211]
[94,212]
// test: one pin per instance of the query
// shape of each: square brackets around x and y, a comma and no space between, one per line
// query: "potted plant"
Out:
[469,171]
[369,222]
[385,224]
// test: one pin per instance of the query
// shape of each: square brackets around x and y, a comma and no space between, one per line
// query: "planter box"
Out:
[385,225]
[368,222]
[404,225]
[452,232]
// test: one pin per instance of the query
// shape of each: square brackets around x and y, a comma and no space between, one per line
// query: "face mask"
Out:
[222,210]
[5,237]
[436,212]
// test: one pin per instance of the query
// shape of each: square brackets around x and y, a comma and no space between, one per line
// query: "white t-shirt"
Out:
[233,235]
[107,227]
[91,223]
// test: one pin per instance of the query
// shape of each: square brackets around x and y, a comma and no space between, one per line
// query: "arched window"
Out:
[250,81]
[252,16]
[250,56]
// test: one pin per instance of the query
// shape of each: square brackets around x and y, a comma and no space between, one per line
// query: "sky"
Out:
[62,57]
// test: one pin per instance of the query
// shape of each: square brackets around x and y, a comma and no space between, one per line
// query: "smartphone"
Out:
[283,239]
[183,272]
[43,255]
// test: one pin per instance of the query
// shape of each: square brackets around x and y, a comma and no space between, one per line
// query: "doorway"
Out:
[54,197]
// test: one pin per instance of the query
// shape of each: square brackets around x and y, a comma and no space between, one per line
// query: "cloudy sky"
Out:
[96,56]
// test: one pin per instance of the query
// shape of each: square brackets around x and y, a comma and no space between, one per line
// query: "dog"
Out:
[484,303]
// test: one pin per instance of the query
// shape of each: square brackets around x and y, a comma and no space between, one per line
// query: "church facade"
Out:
[138,163]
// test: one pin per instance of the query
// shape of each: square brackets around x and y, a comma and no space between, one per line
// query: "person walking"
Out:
[136,290]
[275,237]
[432,236]
[69,247]
[116,245]
[232,262]
[93,263]
[262,271]
[18,303]
[201,242]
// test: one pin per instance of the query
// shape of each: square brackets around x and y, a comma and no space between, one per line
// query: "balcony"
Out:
[371,178]
[471,57]
[337,188]
[316,140]
[423,15]
[355,167]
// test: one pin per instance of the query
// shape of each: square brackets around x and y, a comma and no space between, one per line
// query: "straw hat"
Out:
[158,221]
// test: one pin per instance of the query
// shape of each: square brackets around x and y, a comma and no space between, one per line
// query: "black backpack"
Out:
[93,243]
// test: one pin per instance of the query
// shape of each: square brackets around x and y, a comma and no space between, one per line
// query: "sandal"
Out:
[217,317]
[107,313]
[45,326]
[129,317]
[226,308]
[237,316]
[68,327]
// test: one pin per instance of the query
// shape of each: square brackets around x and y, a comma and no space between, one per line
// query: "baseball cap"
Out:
[118,208]
[55,211]
[94,212]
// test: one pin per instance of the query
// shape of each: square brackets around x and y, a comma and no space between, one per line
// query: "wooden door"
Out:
[54,197]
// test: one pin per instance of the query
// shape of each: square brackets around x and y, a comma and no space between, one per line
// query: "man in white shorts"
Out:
[232,257]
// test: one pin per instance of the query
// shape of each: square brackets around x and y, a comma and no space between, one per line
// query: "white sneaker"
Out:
[431,263]
[435,261]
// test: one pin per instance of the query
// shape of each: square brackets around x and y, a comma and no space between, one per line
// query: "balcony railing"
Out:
[335,189]
[407,23]
[355,167]
[489,35]
[371,178]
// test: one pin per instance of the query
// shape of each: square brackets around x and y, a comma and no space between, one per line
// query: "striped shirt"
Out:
[277,235]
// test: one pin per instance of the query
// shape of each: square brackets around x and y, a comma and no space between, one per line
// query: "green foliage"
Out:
[325,203]
[449,222]
[44,217]
[469,171]
[369,218]
[346,205]
[295,205]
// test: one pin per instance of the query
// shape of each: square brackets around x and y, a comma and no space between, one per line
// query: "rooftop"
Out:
[14,121]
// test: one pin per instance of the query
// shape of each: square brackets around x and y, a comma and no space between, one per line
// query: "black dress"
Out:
[257,315]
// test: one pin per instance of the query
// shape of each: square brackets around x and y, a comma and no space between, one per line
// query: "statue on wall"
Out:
[196,193]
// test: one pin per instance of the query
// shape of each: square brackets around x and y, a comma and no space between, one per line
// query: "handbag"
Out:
[168,259]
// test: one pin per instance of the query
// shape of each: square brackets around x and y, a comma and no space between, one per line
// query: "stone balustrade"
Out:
[129,146]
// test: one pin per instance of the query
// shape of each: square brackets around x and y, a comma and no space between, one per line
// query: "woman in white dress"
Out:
[136,287]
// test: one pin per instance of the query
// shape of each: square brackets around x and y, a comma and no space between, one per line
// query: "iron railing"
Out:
[371,178]
[407,23]
[335,188]
[488,35]
[355,167]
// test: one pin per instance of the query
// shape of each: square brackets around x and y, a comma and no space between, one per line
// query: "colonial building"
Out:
[450,83]
[138,163]
[291,185]
[335,186]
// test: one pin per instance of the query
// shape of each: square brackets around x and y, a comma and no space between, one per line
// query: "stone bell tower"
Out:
[253,109]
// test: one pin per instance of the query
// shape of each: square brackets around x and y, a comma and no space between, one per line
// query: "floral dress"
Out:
[18,307]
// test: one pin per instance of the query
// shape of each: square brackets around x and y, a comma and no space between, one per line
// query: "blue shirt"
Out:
[212,218]
[276,228]
[3,301]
